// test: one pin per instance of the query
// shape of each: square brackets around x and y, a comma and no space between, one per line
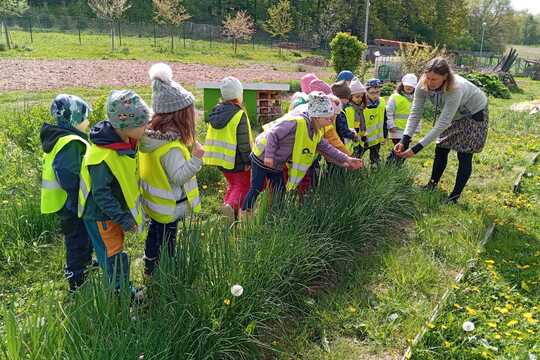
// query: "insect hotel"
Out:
[263,101]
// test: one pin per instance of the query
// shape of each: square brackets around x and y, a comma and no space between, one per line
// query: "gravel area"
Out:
[54,74]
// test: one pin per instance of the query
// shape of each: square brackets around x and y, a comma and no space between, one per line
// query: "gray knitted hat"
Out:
[167,95]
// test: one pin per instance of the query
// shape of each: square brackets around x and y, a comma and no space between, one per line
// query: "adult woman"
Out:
[462,122]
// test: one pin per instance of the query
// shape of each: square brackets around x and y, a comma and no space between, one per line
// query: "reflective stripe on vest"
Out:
[375,123]
[159,200]
[123,168]
[53,197]
[221,144]
[402,111]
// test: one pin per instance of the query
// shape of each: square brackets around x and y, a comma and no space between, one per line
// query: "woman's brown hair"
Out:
[439,66]
[181,122]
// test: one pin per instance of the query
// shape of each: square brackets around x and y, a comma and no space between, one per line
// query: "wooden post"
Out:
[184,31]
[155,40]
[30,28]
[79,28]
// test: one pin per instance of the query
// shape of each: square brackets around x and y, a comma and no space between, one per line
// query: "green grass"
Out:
[62,46]
[352,274]
[527,52]
[407,273]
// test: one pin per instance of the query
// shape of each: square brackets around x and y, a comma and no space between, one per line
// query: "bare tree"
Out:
[170,12]
[280,21]
[111,11]
[238,27]
[10,8]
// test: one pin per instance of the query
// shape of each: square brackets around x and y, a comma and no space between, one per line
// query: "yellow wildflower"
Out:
[498,336]
[352,309]
[509,306]
[512,322]
[430,325]
[492,325]
[470,311]
[502,310]
[446,344]
[227,302]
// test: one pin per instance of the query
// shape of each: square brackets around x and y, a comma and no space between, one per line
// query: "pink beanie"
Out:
[305,81]
[319,85]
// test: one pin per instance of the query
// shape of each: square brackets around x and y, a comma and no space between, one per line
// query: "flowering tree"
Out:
[238,27]
[280,21]
[170,12]
[110,10]
[10,8]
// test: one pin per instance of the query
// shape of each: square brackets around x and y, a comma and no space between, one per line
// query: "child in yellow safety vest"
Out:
[294,140]
[350,123]
[375,117]
[109,195]
[168,183]
[399,107]
[64,146]
[228,144]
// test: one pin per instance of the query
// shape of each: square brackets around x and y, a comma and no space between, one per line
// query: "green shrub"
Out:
[490,83]
[388,89]
[346,51]
[98,110]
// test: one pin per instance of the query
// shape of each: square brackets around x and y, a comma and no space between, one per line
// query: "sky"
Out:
[532,5]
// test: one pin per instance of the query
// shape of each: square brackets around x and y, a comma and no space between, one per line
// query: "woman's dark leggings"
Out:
[463,173]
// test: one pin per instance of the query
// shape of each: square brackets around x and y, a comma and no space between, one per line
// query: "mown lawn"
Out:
[64,46]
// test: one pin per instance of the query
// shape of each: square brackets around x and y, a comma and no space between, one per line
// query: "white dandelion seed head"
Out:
[393,317]
[237,290]
[468,326]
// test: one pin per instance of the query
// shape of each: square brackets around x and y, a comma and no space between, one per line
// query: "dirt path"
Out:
[53,74]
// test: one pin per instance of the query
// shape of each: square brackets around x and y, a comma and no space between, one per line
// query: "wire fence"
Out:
[83,25]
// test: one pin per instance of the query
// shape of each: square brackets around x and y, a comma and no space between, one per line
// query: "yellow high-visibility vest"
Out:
[403,109]
[123,168]
[53,197]
[304,149]
[375,123]
[158,199]
[350,115]
[221,144]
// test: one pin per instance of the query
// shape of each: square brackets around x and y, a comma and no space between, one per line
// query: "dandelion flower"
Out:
[512,322]
[237,290]
[468,326]
[470,311]
[227,302]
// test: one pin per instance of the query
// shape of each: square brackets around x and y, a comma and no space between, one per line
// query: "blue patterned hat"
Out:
[69,110]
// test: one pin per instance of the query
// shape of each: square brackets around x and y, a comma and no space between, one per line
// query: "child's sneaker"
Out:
[137,295]
[228,212]
[430,186]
